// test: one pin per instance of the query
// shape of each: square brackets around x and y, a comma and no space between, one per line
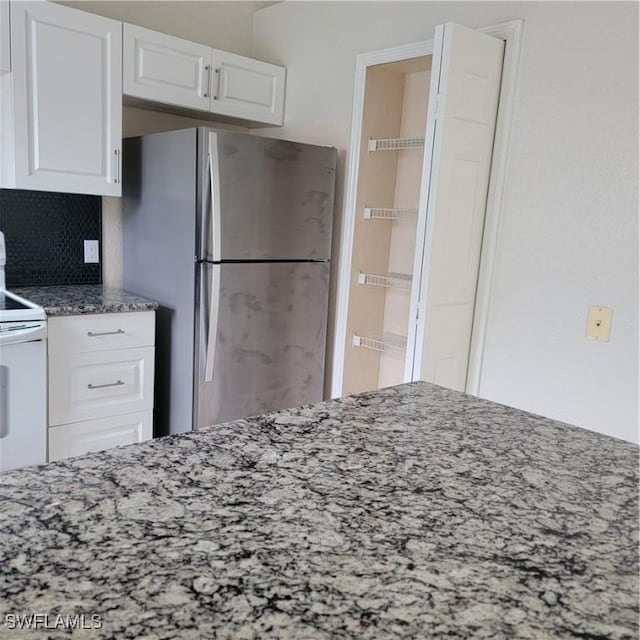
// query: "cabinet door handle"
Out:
[217,93]
[119,383]
[116,153]
[91,334]
[207,77]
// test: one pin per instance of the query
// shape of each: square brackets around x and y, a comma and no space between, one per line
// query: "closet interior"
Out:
[388,192]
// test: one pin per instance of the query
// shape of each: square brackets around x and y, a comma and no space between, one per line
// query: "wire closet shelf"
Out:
[390,343]
[391,280]
[376,213]
[396,144]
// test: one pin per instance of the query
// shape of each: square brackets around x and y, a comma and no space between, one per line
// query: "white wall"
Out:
[569,232]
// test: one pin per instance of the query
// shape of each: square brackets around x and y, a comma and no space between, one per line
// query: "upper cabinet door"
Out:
[247,88]
[5,47]
[461,122]
[67,68]
[165,69]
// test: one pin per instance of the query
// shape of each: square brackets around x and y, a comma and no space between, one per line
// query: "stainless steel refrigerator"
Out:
[231,233]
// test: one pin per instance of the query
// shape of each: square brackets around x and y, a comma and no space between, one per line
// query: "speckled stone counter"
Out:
[412,512]
[73,299]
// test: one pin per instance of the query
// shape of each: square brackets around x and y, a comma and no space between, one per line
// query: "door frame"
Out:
[511,33]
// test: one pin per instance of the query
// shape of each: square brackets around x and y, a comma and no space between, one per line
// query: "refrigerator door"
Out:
[261,338]
[264,199]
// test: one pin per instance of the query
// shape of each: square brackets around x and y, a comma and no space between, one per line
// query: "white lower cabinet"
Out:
[101,379]
[70,440]
[101,332]
[101,384]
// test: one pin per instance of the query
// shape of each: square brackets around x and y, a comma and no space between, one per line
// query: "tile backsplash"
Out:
[45,234]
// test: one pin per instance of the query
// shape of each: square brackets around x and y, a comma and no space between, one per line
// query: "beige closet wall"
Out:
[376,187]
[403,233]
[568,237]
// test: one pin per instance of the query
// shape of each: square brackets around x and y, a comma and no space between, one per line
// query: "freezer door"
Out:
[262,330]
[264,199]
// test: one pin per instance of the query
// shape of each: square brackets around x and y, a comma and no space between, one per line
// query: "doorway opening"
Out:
[385,226]
[403,174]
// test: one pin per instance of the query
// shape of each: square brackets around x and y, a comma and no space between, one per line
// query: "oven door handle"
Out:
[26,332]
[4,401]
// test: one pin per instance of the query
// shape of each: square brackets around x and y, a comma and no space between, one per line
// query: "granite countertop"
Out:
[411,512]
[74,299]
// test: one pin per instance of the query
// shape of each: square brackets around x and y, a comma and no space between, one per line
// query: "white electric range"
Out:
[23,379]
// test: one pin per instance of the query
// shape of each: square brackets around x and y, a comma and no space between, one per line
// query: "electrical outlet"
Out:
[91,251]
[599,323]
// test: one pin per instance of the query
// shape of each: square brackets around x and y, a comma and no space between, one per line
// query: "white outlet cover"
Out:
[91,251]
[599,323]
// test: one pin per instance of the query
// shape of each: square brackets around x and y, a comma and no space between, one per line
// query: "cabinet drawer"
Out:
[85,386]
[70,440]
[100,332]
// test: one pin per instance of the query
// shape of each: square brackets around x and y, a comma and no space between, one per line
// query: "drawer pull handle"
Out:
[91,334]
[102,386]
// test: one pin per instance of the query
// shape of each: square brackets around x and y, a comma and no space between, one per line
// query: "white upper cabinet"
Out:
[247,88]
[165,69]
[66,107]
[5,46]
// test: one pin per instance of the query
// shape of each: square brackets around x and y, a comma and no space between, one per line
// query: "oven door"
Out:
[23,394]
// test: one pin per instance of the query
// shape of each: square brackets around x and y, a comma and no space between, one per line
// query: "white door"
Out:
[5,48]
[67,99]
[247,88]
[463,107]
[165,69]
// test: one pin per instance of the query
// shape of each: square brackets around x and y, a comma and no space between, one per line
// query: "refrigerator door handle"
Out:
[205,219]
[4,401]
[209,297]
[214,185]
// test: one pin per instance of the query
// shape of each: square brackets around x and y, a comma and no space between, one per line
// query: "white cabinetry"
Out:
[62,108]
[247,88]
[163,69]
[101,370]
[100,384]
[5,38]
[96,435]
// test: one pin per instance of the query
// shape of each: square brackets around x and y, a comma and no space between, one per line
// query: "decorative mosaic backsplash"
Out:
[45,233]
